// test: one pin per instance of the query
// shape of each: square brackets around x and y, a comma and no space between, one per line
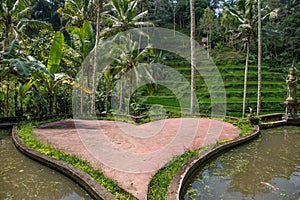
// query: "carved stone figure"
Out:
[291,82]
[291,101]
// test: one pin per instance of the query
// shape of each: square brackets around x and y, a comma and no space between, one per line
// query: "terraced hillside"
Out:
[273,91]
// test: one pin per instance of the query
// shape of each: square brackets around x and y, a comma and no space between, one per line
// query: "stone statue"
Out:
[291,82]
[291,104]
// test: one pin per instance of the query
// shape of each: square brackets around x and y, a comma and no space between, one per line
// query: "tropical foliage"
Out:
[44,43]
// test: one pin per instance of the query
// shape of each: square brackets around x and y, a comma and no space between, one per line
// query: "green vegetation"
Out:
[25,133]
[243,124]
[45,44]
[159,184]
[273,91]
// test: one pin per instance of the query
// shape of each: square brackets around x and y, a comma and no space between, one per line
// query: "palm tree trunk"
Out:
[121,97]
[7,96]
[50,100]
[207,46]
[93,108]
[81,94]
[129,95]
[174,19]
[5,44]
[16,100]
[245,77]
[54,103]
[259,79]
[107,106]
[210,41]
[193,60]
[21,109]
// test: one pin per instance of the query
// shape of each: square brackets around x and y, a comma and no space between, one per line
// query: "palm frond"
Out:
[10,50]
[32,24]
[140,16]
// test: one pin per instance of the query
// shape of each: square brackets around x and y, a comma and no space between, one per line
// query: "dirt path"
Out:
[132,154]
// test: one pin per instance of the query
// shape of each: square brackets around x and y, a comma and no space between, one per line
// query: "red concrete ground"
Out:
[132,154]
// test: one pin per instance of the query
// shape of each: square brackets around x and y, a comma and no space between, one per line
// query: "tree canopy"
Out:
[43,43]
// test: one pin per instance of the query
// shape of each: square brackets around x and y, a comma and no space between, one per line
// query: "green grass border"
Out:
[159,183]
[25,132]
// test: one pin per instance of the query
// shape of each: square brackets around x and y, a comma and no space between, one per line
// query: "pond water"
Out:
[23,178]
[267,168]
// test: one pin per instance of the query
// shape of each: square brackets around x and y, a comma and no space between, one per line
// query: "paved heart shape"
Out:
[131,154]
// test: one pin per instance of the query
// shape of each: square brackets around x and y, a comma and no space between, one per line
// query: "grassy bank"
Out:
[25,133]
[159,184]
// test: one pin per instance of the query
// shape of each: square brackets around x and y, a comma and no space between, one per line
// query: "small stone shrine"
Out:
[291,104]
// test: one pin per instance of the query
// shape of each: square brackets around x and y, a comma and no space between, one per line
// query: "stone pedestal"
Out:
[291,111]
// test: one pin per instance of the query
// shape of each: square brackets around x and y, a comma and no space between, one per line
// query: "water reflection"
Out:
[267,168]
[23,178]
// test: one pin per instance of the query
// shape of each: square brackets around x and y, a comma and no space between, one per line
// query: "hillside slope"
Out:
[273,91]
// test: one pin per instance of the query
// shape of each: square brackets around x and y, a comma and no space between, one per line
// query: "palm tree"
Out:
[259,58]
[193,59]
[244,12]
[82,14]
[84,41]
[99,13]
[78,11]
[127,62]
[123,16]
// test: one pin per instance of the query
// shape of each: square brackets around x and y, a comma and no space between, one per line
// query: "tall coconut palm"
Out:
[193,59]
[99,13]
[123,16]
[82,14]
[244,12]
[272,15]
[127,62]
[84,42]
[259,58]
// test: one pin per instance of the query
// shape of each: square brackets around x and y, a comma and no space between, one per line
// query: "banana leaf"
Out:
[55,53]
